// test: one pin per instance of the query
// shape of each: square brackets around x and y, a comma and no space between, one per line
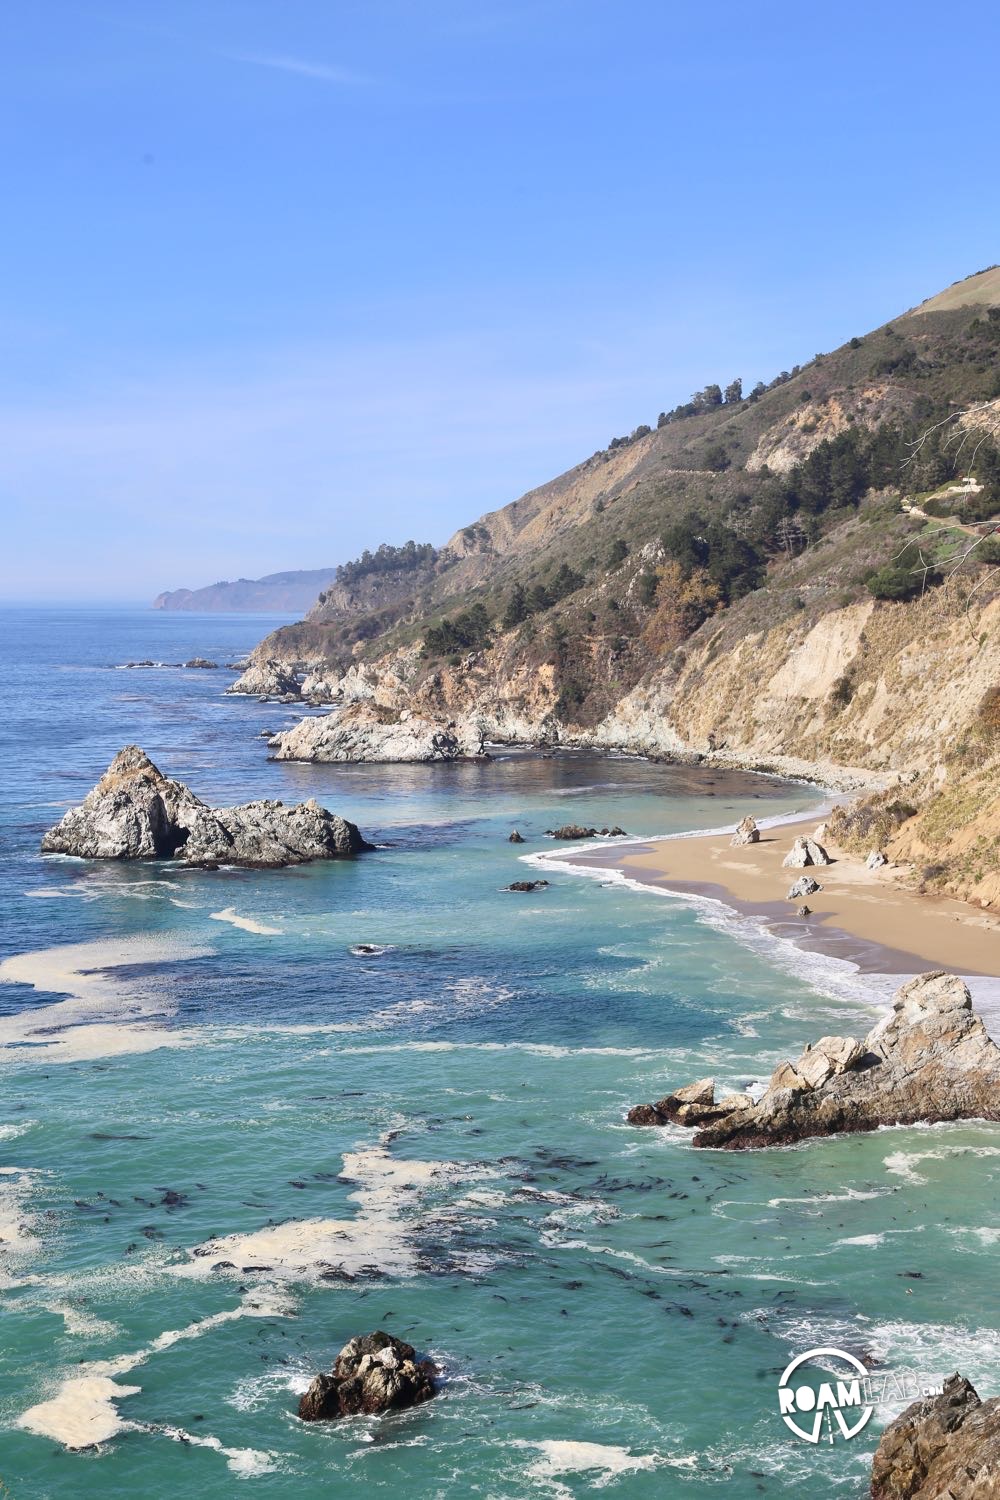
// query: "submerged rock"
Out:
[805,852]
[267,679]
[526,885]
[135,812]
[944,1447]
[374,1373]
[515,838]
[363,732]
[576,831]
[747,832]
[929,1060]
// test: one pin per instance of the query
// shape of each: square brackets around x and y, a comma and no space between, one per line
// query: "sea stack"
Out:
[135,812]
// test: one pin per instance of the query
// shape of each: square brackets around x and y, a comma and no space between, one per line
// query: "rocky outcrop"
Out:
[363,732]
[135,812]
[202,663]
[747,832]
[374,1373]
[577,831]
[526,885]
[266,679]
[944,1447]
[929,1060]
[804,852]
[515,838]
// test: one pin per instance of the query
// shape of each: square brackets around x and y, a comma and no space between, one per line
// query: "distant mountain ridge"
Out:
[277,593]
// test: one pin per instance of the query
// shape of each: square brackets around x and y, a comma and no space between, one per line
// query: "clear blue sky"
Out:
[284,280]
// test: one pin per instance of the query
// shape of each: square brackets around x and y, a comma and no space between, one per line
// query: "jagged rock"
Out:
[929,1060]
[135,812]
[206,666]
[747,832]
[804,886]
[374,1373]
[943,1447]
[365,732]
[526,885]
[267,679]
[576,831]
[804,911]
[803,852]
[876,860]
[515,838]
[820,832]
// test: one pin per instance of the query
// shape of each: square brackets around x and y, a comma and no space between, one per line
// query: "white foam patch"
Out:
[904,1164]
[606,1463]
[390,1195]
[19,1239]
[83,1410]
[247,924]
[106,1014]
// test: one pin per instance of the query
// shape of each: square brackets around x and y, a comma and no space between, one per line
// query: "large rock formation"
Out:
[365,732]
[805,851]
[577,831]
[944,1447]
[929,1060]
[373,1373]
[266,679]
[135,812]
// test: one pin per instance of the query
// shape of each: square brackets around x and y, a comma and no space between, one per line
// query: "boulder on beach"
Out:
[804,852]
[364,732]
[267,679]
[135,812]
[876,860]
[943,1447]
[747,832]
[374,1373]
[804,886]
[929,1060]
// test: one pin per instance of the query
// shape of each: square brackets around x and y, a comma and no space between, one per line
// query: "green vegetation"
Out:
[387,559]
[467,631]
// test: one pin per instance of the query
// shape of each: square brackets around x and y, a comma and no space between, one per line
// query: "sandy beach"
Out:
[867,916]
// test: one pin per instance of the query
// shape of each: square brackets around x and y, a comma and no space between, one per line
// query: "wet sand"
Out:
[866,916]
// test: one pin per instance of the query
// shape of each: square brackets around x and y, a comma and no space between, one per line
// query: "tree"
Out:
[734,391]
[618,552]
[716,458]
[517,608]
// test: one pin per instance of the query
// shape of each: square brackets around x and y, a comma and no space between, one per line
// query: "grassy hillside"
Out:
[754,573]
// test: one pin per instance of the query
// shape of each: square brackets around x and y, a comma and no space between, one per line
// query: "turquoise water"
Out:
[227,1148]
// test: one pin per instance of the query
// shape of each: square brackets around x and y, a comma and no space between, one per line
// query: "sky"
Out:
[283,281]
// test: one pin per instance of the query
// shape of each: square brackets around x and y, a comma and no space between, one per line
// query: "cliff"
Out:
[795,580]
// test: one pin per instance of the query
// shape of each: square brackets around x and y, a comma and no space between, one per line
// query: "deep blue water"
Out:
[430,1140]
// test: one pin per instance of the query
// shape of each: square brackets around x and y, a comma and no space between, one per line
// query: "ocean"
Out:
[229,1142]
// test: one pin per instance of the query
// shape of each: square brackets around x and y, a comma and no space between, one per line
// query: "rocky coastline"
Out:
[944,1447]
[929,1060]
[363,733]
[135,812]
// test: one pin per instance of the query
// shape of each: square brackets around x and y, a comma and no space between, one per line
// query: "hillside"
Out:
[278,593]
[793,578]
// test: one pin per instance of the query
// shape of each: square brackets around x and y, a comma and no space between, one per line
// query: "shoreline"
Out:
[867,918]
